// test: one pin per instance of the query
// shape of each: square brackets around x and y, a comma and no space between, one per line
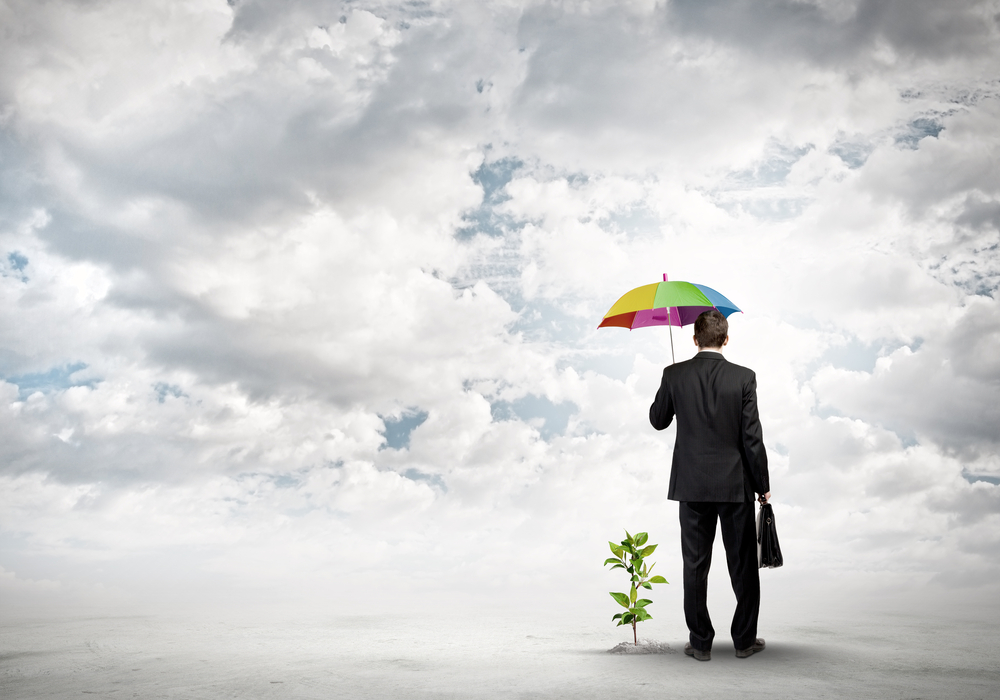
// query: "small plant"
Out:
[630,555]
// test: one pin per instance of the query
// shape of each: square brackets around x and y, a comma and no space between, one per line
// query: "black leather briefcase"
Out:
[768,549]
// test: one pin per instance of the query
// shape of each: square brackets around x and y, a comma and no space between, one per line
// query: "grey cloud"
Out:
[267,360]
[957,162]
[399,343]
[253,155]
[971,505]
[247,147]
[929,29]
[964,578]
[975,344]
[612,82]
[983,542]
[576,66]
[263,20]
[901,478]
[979,213]
[855,355]
[20,174]
[29,446]
[945,392]
[81,236]
[169,434]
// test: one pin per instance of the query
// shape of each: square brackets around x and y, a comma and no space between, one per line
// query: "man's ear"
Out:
[725,342]
[695,339]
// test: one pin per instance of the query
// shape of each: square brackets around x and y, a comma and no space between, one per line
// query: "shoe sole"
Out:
[706,657]
[746,653]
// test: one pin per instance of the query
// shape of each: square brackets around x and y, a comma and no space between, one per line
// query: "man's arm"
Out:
[753,439]
[661,412]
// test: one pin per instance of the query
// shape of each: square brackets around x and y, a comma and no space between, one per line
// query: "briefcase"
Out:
[768,549]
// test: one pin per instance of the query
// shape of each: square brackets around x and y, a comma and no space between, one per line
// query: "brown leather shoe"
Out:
[758,645]
[698,653]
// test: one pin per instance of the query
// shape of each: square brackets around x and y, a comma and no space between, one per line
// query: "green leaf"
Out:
[616,550]
[658,579]
[640,539]
[627,618]
[643,602]
[643,615]
[621,599]
[635,578]
[612,560]
[616,617]
[630,570]
[632,594]
[628,538]
[646,551]
[647,586]
[616,566]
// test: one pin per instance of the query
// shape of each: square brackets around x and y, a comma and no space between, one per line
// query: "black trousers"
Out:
[739,535]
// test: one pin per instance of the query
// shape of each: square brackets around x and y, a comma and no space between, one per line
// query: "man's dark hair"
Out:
[711,329]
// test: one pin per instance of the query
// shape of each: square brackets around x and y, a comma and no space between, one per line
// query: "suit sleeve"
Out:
[661,412]
[753,438]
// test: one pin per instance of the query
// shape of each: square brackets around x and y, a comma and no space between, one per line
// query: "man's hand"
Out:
[765,498]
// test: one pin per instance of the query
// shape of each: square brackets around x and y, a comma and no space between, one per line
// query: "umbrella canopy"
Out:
[666,304]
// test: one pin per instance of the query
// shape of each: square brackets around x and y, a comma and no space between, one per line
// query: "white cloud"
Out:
[234,241]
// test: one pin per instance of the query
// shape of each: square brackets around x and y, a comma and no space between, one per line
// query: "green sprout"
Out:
[630,555]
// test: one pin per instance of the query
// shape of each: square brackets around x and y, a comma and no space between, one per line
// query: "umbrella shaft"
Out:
[670,326]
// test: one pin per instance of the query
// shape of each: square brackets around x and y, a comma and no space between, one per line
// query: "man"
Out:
[719,463]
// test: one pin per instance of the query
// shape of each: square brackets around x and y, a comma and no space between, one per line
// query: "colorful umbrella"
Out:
[666,304]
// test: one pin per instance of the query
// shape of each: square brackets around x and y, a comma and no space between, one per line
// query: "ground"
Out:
[884,655]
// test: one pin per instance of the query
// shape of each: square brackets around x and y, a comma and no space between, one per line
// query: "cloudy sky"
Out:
[300,298]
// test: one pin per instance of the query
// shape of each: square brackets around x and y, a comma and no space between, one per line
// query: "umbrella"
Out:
[666,304]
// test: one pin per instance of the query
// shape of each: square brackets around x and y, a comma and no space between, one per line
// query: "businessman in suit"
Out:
[719,463]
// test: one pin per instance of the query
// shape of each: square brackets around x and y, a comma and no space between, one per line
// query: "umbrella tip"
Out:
[664,276]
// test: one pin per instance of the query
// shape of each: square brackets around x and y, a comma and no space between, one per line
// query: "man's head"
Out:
[711,330]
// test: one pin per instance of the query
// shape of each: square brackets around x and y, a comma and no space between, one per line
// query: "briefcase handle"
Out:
[762,504]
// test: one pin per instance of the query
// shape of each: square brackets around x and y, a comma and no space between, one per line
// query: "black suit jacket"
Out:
[719,451]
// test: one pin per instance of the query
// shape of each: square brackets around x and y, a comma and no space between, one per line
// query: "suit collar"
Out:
[710,355]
